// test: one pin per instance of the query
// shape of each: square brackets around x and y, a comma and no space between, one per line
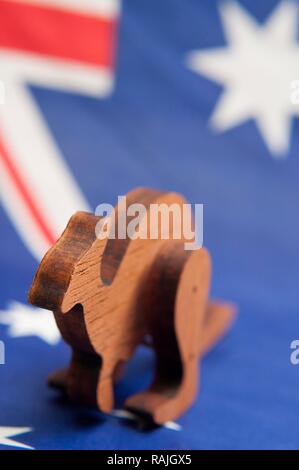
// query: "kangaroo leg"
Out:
[105,393]
[176,300]
[80,380]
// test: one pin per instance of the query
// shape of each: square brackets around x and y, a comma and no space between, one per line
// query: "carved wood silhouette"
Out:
[109,295]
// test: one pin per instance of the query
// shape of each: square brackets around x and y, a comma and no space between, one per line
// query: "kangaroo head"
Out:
[52,279]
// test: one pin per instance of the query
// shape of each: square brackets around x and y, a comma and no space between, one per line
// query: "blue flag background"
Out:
[153,130]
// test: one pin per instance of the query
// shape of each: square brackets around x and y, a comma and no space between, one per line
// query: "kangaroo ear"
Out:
[54,273]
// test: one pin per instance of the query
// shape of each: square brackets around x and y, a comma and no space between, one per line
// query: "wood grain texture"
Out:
[109,295]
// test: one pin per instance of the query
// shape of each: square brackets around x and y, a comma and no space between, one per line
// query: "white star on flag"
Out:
[6,433]
[28,321]
[257,69]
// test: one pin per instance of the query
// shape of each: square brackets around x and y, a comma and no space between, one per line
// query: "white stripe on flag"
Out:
[104,8]
[20,217]
[32,149]
[39,162]
[37,188]
[51,72]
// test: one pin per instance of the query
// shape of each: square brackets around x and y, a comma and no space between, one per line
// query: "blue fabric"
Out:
[153,132]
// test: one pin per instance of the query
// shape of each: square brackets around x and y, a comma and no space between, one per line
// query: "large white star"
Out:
[256,69]
[6,433]
[28,321]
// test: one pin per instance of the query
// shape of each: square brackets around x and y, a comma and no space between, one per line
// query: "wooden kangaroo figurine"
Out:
[108,295]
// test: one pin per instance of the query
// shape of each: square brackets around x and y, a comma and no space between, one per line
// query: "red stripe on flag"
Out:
[24,192]
[56,32]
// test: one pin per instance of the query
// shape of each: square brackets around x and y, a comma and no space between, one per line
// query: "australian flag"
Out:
[199,97]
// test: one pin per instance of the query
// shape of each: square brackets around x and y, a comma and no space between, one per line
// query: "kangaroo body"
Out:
[108,295]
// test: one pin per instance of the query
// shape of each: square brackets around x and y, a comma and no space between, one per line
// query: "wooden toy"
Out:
[111,295]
